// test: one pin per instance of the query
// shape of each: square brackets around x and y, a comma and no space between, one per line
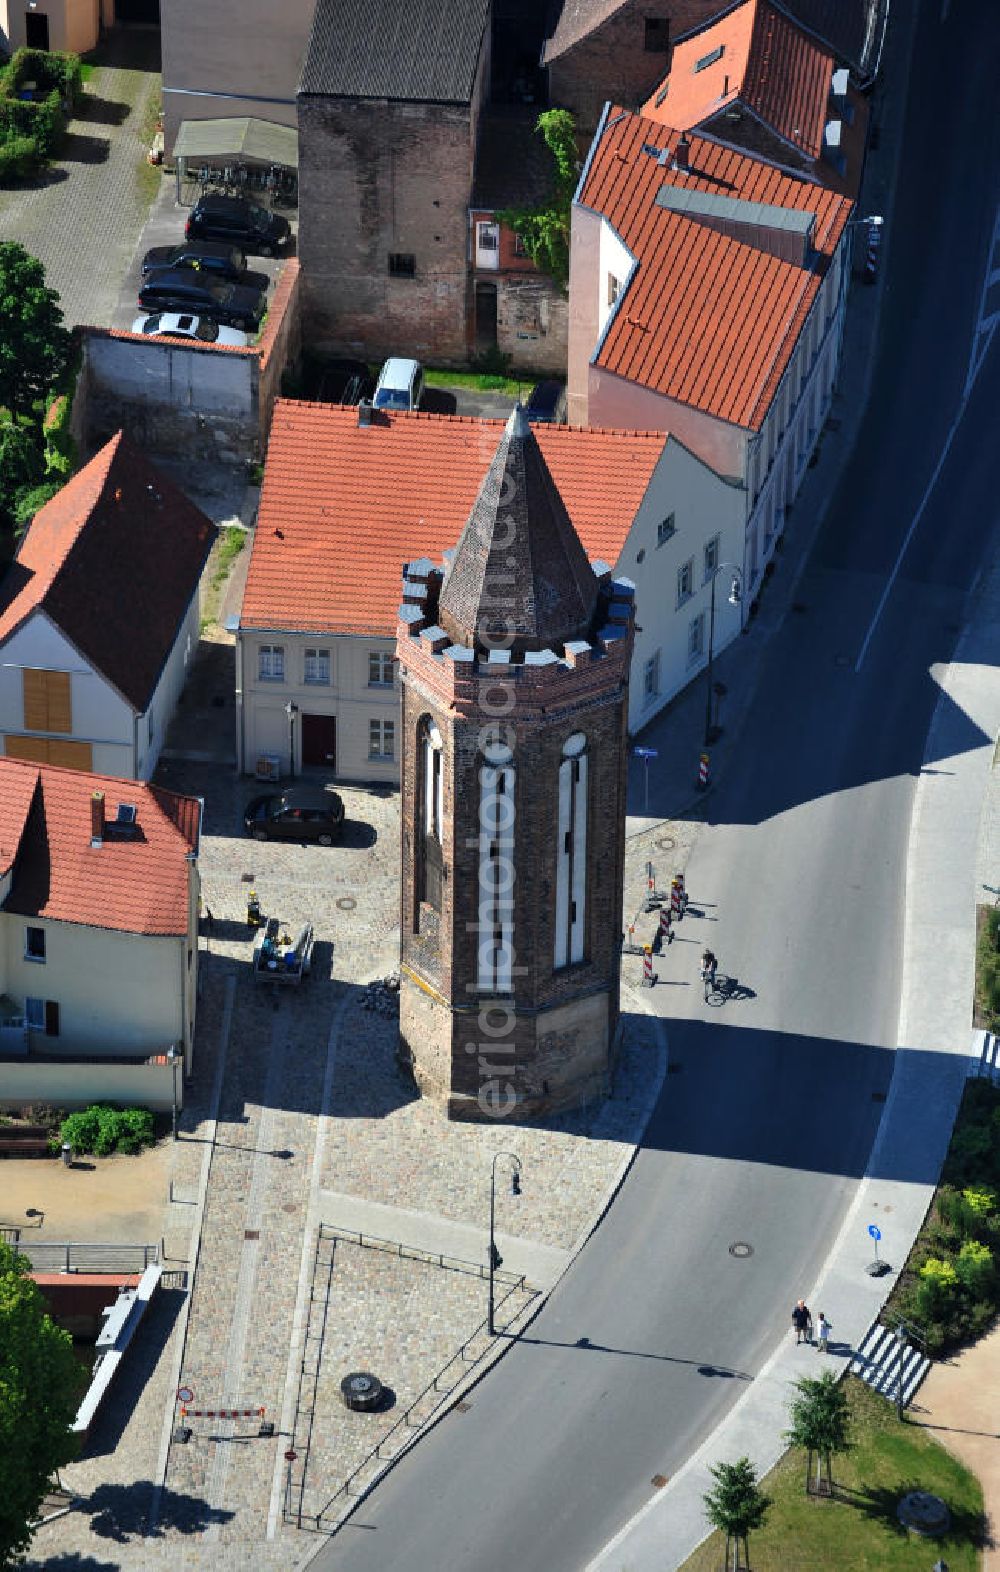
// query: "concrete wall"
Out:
[205,77]
[377,178]
[118,993]
[214,404]
[99,714]
[347,697]
[76,1085]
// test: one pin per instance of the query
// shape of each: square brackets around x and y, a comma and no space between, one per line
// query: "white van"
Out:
[400,384]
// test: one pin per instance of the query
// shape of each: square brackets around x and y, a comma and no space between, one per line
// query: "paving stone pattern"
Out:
[83,217]
[402,1317]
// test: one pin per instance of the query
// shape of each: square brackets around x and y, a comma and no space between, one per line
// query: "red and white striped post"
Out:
[665,919]
[703,763]
[676,896]
[222,1413]
[648,975]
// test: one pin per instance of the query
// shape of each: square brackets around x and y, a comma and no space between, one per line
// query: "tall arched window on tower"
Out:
[432,814]
[496,869]
[571,853]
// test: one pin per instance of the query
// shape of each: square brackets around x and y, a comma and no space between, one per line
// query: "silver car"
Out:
[173,324]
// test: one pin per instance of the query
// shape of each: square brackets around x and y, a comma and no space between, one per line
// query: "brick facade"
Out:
[379,179]
[548,1042]
[612,62]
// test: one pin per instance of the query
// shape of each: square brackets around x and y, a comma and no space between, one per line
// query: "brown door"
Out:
[319,740]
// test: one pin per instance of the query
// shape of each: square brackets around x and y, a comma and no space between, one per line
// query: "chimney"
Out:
[364,412]
[97,818]
[682,153]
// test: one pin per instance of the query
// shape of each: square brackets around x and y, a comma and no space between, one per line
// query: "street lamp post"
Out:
[496,1259]
[291,710]
[735,596]
[173,1058]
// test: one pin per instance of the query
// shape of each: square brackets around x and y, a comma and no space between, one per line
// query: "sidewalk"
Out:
[958,1406]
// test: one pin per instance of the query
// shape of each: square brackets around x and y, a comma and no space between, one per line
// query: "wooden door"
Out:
[319,740]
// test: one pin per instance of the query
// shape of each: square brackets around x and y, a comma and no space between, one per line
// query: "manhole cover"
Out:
[658,1481]
[462,1408]
[741,1250]
[251,1233]
[347,903]
[290,1206]
[361,1390]
[923,1513]
[666,843]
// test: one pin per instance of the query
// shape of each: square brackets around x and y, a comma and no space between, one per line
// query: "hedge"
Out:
[30,130]
[103,1128]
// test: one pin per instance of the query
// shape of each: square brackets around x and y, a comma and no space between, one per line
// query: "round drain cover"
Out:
[361,1390]
[741,1250]
[666,843]
[347,903]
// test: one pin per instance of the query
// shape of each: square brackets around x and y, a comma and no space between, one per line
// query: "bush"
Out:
[28,501]
[974,1268]
[19,157]
[104,1128]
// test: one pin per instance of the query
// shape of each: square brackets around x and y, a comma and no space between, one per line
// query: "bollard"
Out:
[648,975]
[66,1152]
[676,898]
[684,894]
[703,772]
[666,933]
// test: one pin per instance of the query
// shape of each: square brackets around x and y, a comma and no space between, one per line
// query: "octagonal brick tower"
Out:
[514,663]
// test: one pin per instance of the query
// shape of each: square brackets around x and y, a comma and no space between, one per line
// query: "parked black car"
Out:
[240,222]
[344,382]
[547,404]
[213,257]
[182,289]
[302,813]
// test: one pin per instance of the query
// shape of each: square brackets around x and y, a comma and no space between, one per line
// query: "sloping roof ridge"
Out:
[344,414]
[712,21]
[798,173]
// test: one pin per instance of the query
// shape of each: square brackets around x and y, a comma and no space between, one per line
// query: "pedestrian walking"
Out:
[823,1345]
[801,1321]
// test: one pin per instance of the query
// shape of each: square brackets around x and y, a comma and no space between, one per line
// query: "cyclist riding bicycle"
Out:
[709,966]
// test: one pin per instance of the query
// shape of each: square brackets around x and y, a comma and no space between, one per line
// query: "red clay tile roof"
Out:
[15,801]
[707,320]
[781,74]
[136,885]
[344,507]
[113,560]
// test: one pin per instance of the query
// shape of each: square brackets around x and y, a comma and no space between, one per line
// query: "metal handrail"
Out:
[404,1419]
[69,1256]
[450,1263]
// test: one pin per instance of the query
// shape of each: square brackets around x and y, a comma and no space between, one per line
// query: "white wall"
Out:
[99,714]
[117,992]
[348,697]
[168,691]
[72,1085]
[704,506]
[613,257]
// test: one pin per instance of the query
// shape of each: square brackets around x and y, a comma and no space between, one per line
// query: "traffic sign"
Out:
[185,1394]
[646,753]
[875,1231]
[291,1455]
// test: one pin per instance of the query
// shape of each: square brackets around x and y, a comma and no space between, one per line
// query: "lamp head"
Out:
[735,593]
[515,1182]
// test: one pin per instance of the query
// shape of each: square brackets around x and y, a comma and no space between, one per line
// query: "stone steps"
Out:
[984,1063]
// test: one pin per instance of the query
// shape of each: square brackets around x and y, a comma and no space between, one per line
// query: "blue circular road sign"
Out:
[875,1231]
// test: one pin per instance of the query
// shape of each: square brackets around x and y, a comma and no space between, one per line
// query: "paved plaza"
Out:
[299,1115]
[82,218]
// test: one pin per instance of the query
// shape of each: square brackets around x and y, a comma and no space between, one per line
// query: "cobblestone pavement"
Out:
[82,219]
[293,1092]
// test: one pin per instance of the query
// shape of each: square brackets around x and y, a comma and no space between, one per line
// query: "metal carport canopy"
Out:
[262,141]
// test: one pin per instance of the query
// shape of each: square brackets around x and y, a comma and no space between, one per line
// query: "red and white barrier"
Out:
[222,1413]
[648,975]
[703,763]
[665,920]
[676,898]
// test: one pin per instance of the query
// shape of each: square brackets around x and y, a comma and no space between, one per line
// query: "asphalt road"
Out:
[765,1129]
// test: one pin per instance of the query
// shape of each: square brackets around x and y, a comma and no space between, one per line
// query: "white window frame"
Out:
[382,662]
[614,288]
[382,739]
[270,663]
[685,581]
[651,677]
[314,659]
[696,639]
[713,550]
[433,782]
[666,529]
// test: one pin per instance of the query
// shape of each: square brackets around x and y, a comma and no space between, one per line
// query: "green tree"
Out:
[736,1506]
[34,345]
[544,230]
[20,461]
[820,1424]
[40,1383]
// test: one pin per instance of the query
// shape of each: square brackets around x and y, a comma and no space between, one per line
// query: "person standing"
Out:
[824,1327]
[800,1321]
